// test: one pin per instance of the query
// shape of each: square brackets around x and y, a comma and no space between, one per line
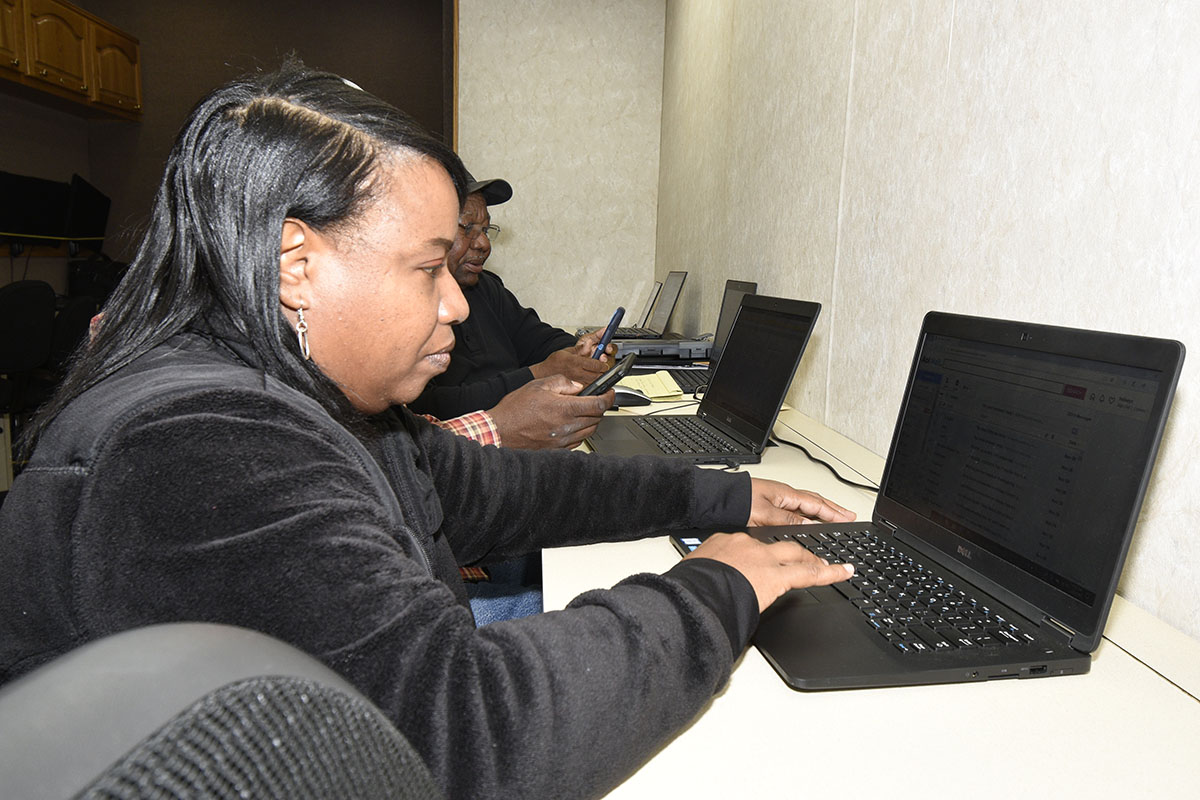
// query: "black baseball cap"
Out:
[494,190]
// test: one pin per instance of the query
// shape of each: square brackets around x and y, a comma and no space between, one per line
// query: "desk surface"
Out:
[1129,728]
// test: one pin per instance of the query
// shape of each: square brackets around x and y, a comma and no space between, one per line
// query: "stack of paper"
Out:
[658,386]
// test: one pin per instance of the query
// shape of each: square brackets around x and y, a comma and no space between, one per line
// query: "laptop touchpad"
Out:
[615,431]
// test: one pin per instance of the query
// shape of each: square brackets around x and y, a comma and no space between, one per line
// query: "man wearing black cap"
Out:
[506,360]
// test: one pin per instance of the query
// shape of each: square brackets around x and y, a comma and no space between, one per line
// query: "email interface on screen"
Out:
[1006,447]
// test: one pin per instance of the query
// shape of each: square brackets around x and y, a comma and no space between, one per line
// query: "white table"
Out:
[1128,729]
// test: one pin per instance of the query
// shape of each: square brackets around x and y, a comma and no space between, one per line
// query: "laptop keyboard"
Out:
[689,379]
[634,333]
[686,435]
[909,606]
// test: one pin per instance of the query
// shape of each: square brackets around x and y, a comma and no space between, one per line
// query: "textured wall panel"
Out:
[564,101]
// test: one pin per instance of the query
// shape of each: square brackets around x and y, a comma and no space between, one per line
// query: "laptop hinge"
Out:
[1057,626]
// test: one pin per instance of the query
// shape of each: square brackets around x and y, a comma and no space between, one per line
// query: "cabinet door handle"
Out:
[16,62]
[44,73]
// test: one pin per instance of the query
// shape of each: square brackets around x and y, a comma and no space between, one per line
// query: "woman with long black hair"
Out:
[226,450]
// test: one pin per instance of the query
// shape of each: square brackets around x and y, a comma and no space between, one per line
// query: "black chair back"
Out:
[26,325]
[71,328]
[193,710]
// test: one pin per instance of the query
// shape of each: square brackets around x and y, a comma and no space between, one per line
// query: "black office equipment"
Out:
[734,420]
[87,216]
[691,378]
[26,342]
[46,213]
[1016,472]
[33,211]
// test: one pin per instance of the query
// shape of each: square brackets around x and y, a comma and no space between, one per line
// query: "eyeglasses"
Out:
[472,231]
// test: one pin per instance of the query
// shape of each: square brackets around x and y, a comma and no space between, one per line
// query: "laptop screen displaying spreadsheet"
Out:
[1014,478]
[1007,454]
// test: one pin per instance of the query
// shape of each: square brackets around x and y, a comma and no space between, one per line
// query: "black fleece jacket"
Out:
[191,486]
[494,348]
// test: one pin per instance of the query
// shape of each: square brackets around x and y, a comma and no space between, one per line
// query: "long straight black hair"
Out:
[291,143]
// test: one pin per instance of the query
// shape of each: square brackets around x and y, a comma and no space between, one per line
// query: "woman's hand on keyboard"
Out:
[775,503]
[771,569]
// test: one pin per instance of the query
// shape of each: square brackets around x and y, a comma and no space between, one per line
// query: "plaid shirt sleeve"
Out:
[477,425]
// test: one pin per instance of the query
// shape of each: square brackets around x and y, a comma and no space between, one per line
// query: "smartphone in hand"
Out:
[610,378]
[609,331]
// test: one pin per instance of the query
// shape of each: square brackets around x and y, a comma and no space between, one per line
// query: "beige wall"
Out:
[1037,161]
[1033,160]
[563,99]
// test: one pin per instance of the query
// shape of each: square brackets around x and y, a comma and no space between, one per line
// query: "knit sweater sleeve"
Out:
[500,502]
[236,508]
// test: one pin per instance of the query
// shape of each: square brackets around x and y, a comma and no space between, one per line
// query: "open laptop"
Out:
[1016,472]
[644,318]
[734,420]
[695,376]
[664,306]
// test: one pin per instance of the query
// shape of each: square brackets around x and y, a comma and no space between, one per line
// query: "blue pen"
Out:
[609,331]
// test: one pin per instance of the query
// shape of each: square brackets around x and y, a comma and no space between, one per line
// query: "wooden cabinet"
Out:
[54,47]
[56,44]
[117,81]
[12,37]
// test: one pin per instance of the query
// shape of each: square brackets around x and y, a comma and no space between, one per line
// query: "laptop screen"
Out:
[761,355]
[730,301]
[655,288]
[666,301]
[1004,455]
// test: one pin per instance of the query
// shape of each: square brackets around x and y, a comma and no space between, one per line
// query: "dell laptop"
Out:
[1009,498]
[692,378]
[734,420]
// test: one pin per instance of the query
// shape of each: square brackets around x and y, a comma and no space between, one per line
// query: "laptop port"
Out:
[1038,670]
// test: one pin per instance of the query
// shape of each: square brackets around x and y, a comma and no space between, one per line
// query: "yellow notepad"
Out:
[658,386]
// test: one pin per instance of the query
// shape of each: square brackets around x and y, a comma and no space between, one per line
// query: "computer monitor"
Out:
[87,216]
[33,211]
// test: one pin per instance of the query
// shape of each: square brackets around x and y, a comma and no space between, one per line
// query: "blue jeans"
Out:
[514,591]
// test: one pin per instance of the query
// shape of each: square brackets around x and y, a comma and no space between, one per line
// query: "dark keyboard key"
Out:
[930,637]
[847,591]
[1005,636]
[962,640]
[949,634]
[919,611]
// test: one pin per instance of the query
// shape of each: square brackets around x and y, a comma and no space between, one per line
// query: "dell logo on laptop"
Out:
[964,552]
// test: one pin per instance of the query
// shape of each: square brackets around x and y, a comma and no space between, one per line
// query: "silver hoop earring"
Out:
[302,332]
